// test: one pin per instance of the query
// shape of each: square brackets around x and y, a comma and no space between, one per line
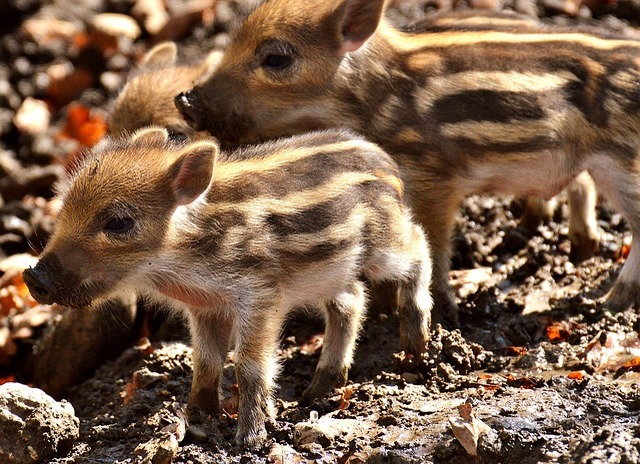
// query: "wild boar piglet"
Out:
[146,99]
[237,240]
[510,110]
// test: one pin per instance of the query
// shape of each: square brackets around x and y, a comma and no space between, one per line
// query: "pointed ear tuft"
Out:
[162,55]
[191,173]
[359,21]
[153,135]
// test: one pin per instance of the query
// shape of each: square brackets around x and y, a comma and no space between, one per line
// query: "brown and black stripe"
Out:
[300,200]
[497,89]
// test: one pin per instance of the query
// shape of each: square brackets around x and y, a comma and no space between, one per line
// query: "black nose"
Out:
[186,104]
[39,284]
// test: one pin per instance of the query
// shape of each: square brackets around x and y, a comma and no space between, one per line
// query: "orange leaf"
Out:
[91,132]
[130,388]
[559,331]
[624,251]
[7,379]
[465,410]
[515,350]
[347,393]
[81,40]
[575,375]
[490,386]
[230,405]
[8,301]
[632,364]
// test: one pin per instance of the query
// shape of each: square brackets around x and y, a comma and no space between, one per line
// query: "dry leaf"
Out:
[83,126]
[575,375]
[7,379]
[468,429]
[625,249]
[522,382]
[633,364]
[515,350]
[230,404]
[284,454]
[130,388]
[610,351]
[345,396]
[559,331]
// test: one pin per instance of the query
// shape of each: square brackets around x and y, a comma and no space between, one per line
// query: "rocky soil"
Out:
[537,372]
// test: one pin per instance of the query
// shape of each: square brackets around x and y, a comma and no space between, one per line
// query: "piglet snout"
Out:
[188,107]
[40,285]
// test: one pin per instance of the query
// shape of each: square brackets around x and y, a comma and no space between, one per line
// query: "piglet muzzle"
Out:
[187,104]
[41,285]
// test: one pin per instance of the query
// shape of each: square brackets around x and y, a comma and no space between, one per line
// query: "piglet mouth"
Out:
[186,104]
[46,288]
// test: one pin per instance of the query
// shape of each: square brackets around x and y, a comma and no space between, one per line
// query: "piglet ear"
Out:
[213,60]
[191,173]
[153,135]
[360,20]
[162,55]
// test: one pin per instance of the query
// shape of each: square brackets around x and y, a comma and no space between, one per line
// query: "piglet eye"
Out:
[277,62]
[275,55]
[119,225]
[177,136]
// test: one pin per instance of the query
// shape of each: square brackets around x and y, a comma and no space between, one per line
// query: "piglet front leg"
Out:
[256,367]
[210,333]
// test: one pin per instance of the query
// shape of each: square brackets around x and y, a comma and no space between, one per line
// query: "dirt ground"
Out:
[537,372]
[540,363]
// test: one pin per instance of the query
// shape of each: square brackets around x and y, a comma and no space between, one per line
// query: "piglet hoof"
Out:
[622,296]
[415,345]
[204,402]
[323,382]
[252,438]
[583,248]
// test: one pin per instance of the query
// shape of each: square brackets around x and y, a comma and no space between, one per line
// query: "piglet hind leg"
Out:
[415,297]
[618,177]
[537,211]
[256,367]
[583,227]
[210,333]
[438,223]
[344,316]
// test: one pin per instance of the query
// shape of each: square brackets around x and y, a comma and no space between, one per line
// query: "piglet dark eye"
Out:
[277,62]
[119,225]
[177,136]
[274,55]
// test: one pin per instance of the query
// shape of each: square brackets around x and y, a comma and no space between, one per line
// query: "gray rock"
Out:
[35,427]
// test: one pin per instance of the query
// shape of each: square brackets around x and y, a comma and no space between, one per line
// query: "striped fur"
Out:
[499,108]
[236,241]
